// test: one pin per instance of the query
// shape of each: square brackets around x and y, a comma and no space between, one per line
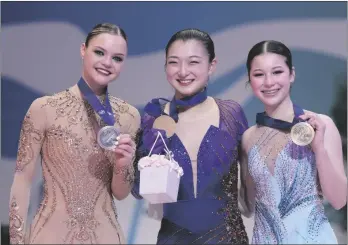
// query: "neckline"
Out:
[75,92]
[201,110]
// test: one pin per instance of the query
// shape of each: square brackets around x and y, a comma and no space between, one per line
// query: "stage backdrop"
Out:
[40,55]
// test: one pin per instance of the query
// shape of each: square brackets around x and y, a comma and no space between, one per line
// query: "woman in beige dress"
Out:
[80,177]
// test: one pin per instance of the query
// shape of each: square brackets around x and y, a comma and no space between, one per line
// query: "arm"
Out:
[247,189]
[247,186]
[123,170]
[138,154]
[329,160]
[30,143]
[327,147]
[122,180]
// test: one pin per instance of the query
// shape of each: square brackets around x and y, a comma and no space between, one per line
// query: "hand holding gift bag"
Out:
[159,176]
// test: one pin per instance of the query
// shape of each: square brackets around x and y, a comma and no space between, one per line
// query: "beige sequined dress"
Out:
[77,206]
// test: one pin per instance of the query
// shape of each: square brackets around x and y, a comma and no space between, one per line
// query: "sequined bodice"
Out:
[214,163]
[77,206]
[215,208]
[278,165]
[285,178]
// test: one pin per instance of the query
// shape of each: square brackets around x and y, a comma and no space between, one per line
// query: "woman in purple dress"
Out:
[205,143]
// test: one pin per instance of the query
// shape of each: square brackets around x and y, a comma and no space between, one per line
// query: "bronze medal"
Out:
[302,133]
[165,123]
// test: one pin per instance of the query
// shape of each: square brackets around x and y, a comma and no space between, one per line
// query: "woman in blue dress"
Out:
[286,174]
[205,143]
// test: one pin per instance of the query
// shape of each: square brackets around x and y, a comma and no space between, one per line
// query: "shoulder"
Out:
[231,106]
[56,99]
[325,118]
[36,114]
[59,95]
[39,103]
[229,103]
[331,130]
[123,107]
[232,110]
[128,115]
[247,136]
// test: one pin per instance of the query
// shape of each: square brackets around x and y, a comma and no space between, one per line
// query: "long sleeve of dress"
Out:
[30,143]
[128,122]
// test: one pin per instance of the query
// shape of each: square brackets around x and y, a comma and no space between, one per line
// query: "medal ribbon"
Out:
[105,112]
[193,100]
[263,119]
[154,108]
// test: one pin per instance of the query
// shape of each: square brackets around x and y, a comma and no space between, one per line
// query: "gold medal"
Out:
[302,133]
[165,123]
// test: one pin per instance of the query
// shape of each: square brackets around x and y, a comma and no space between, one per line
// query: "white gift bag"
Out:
[159,176]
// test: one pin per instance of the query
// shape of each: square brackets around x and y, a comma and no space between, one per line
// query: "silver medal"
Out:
[107,137]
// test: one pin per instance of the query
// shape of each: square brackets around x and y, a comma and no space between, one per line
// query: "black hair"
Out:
[269,46]
[194,34]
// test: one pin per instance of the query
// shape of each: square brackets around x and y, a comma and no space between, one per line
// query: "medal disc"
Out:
[302,133]
[107,137]
[165,123]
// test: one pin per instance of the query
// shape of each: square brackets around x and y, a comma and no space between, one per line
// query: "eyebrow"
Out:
[192,56]
[106,50]
[259,69]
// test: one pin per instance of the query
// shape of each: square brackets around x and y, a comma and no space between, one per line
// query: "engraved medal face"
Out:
[107,137]
[165,123]
[302,133]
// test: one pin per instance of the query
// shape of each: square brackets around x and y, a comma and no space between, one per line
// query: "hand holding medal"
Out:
[316,125]
[125,150]
[109,136]
[120,142]
[302,132]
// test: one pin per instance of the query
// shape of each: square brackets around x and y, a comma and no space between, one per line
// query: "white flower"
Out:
[159,161]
